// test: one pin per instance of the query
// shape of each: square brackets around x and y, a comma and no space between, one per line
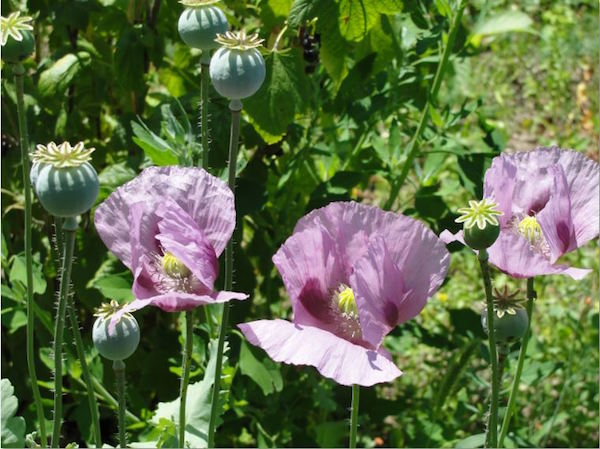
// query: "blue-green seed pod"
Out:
[199,26]
[65,191]
[509,327]
[121,342]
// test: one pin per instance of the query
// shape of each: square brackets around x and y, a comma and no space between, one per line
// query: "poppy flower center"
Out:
[345,311]
[530,229]
[173,267]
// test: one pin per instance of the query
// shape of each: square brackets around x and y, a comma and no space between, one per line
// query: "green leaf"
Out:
[357,17]
[157,149]
[281,97]
[261,370]
[332,433]
[301,11]
[56,79]
[112,177]
[115,286]
[504,22]
[197,406]
[18,272]
[477,440]
[13,427]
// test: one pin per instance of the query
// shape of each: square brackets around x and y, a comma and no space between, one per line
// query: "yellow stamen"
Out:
[174,267]
[530,229]
[347,302]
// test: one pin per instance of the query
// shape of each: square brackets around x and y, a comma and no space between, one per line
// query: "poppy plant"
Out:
[168,226]
[353,272]
[549,203]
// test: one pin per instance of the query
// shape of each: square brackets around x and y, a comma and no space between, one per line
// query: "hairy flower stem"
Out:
[87,377]
[492,426]
[354,415]
[19,71]
[204,81]
[69,228]
[437,82]
[235,106]
[185,372]
[119,369]
[514,390]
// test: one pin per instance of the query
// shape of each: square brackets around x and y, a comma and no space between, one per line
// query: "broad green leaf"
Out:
[18,272]
[115,286]
[357,17]
[13,427]
[476,440]
[301,11]
[264,372]
[334,47]
[283,95]
[504,22]
[112,177]
[55,80]
[332,433]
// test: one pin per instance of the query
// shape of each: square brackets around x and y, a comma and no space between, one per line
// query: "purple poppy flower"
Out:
[353,273]
[168,226]
[549,199]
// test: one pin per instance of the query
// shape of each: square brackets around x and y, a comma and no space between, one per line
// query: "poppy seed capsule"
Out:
[119,343]
[478,238]
[199,26]
[508,328]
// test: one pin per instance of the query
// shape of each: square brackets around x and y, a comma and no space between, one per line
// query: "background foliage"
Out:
[115,74]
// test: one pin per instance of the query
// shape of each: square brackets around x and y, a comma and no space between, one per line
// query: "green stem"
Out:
[87,377]
[204,79]
[119,369]
[69,227]
[492,425]
[185,372]
[437,82]
[354,415]
[24,141]
[235,106]
[531,295]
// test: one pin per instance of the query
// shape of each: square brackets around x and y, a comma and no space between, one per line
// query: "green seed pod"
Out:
[64,181]
[198,26]
[508,328]
[237,69]
[480,239]
[16,51]
[121,342]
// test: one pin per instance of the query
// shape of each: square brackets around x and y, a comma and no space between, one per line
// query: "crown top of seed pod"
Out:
[198,3]
[506,301]
[13,25]
[63,155]
[479,213]
[107,309]
[239,40]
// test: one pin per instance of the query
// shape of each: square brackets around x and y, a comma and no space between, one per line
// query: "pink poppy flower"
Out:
[549,199]
[353,273]
[168,226]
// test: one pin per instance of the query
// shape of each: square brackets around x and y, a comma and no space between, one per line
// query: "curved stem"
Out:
[235,106]
[531,295]
[69,227]
[354,415]
[119,369]
[185,372]
[437,82]
[24,141]
[492,425]
[87,377]
[204,79]
[279,36]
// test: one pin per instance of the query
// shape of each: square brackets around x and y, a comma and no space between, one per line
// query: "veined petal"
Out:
[311,270]
[204,197]
[181,236]
[332,356]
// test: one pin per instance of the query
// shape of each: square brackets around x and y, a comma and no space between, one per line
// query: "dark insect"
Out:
[8,143]
[310,48]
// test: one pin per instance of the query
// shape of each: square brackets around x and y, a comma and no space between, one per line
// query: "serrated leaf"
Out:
[281,97]
[301,11]
[56,79]
[115,286]
[357,17]
[13,427]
